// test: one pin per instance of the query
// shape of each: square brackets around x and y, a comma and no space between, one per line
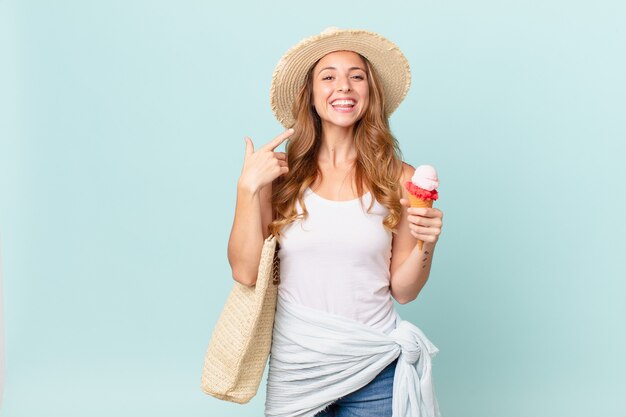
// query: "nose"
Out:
[344,85]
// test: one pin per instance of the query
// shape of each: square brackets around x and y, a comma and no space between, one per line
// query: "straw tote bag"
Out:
[242,337]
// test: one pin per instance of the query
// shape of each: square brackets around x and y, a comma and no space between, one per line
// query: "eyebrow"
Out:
[333,68]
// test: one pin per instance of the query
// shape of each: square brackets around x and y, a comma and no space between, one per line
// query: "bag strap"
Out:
[276,266]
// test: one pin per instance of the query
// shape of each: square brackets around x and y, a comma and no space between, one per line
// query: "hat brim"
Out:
[390,64]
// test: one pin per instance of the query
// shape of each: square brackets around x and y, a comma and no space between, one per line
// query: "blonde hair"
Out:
[378,163]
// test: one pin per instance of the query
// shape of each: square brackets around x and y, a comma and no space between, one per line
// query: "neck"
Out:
[337,147]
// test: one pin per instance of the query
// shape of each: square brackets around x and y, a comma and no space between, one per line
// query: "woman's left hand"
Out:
[424,223]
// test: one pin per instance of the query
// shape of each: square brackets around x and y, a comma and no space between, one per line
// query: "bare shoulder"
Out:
[407,172]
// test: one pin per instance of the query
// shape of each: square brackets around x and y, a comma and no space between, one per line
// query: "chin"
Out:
[342,122]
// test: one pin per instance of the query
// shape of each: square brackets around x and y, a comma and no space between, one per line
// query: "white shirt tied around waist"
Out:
[337,260]
[317,357]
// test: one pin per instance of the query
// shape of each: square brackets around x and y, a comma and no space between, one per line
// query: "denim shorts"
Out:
[372,400]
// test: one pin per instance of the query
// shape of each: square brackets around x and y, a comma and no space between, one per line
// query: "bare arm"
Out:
[246,235]
[253,210]
[410,266]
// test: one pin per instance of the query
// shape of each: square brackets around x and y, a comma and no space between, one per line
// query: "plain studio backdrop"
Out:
[121,142]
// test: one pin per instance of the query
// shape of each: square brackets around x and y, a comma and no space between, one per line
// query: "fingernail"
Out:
[291,129]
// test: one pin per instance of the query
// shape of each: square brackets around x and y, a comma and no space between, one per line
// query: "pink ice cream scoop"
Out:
[423,184]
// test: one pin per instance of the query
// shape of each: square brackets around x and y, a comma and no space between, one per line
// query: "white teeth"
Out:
[343,103]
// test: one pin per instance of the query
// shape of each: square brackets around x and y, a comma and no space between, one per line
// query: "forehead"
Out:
[341,58]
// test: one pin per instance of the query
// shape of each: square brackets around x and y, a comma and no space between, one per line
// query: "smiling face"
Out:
[340,89]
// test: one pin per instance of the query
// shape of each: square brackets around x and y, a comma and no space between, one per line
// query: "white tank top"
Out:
[337,260]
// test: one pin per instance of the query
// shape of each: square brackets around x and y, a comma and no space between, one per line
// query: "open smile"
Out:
[343,105]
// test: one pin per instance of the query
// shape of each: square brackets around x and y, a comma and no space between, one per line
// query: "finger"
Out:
[418,220]
[433,212]
[420,229]
[249,146]
[425,231]
[424,211]
[425,234]
[273,144]
[405,202]
[280,155]
[418,211]
[425,221]
[421,236]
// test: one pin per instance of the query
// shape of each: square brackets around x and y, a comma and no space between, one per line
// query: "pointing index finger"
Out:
[273,144]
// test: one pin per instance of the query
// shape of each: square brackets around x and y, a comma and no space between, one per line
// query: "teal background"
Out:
[121,141]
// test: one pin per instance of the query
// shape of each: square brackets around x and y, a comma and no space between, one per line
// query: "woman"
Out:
[347,235]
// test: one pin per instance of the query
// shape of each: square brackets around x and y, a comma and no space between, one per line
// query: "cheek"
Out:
[365,101]
[365,92]
[320,95]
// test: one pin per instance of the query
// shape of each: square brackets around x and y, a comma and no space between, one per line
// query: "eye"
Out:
[359,77]
[328,77]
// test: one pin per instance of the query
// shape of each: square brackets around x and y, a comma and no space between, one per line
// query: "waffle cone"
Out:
[418,202]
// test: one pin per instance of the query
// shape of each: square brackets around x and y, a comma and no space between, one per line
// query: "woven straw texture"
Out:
[242,337]
[387,60]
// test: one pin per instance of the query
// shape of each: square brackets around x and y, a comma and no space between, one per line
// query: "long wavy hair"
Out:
[378,163]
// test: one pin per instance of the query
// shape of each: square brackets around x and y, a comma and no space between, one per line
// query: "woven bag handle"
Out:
[276,266]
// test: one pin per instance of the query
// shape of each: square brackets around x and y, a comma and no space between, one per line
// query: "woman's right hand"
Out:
[264,166]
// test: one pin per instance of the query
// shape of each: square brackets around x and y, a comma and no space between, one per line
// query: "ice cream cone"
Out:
[422,189]
[418,202]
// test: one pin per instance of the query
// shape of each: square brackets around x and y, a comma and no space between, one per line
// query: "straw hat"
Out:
[390,65]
